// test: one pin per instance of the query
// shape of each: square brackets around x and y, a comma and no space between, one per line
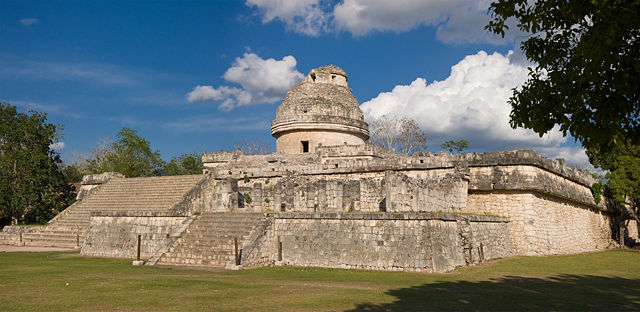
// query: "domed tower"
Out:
[320,110]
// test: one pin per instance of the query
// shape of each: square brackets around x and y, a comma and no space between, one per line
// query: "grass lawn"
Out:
[48,282]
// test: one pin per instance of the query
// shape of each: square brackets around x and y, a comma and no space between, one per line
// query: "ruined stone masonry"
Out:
[327,199]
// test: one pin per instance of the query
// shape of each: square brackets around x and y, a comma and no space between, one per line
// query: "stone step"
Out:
[202,262]
[209,240]
[210,244]
[216,235]
[203,250]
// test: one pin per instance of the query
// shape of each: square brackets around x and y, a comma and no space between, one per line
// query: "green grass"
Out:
[49,282]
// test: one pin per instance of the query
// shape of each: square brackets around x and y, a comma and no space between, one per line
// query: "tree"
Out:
[129,154]
[184,164]
[33,186]
[253,147]
[623,177]
[455,146]
[398,134]
[586,77]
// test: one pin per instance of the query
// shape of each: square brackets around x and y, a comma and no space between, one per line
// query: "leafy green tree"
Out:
[586,76]
[129,154]
[455,146]
[586,79]
[623,178]
[184,164]
[33,186]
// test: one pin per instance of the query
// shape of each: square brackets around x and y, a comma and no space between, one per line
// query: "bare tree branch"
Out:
[398,134]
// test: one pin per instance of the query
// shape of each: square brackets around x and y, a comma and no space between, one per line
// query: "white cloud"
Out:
[456,21]
[302,16]
[262,81]
[29,21]
[471,104]
[573,155]
[58,146]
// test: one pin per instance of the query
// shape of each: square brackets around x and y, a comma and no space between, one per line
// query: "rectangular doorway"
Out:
[305,146]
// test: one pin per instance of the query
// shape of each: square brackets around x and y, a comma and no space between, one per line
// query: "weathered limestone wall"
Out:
[542,224]
[381,241]
[403,193]
[291,142]
[115,235]
[531,178]
[12,234]
[200,198]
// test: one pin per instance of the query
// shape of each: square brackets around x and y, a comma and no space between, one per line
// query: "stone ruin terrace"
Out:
[341,206]
[68,229]
[327,199]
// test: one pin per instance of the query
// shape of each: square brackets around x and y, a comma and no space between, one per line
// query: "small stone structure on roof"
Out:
[327,199]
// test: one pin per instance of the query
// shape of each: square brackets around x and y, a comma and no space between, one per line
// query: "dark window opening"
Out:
[421,161]
[333,78]
[336,165]
[305,146]
[313,76]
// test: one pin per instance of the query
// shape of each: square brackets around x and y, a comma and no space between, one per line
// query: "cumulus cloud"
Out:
[471,104]
[573,155]
[302,16]
[457,21]
[29,21]
[261,81]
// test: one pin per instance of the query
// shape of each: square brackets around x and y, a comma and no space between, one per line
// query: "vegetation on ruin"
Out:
[585,79]
[607,280]
[189,163]
[34,186]
[454,146]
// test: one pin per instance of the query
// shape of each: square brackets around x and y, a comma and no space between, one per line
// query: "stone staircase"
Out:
[209,240]
[133,194]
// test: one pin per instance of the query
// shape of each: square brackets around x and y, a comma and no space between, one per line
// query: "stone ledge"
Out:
[387,216]
[137,214]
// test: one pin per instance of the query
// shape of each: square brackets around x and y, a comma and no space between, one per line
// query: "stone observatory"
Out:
[327,199]
[321,110]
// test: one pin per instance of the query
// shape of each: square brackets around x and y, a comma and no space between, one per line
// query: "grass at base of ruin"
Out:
[607,280]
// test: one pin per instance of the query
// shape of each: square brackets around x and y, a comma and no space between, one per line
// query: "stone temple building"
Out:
[326,198]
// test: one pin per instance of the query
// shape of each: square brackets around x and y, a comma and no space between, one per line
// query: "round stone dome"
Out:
[320,110]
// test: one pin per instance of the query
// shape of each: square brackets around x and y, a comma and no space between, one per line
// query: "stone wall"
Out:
[292,142]
[115,235]
[12,234]
[380,241]
[403,193]
[542,224]
[199,198]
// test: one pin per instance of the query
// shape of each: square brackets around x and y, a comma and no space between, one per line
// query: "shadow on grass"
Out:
[562,292]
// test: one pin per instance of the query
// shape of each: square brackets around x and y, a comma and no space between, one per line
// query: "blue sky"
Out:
[98,66]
